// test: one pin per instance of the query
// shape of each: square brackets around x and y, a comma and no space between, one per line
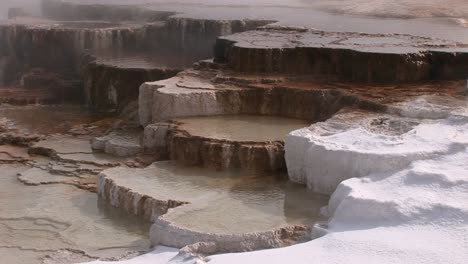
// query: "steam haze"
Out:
[31,5]
[456,9]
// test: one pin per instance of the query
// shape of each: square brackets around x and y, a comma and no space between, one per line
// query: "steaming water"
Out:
[38,220]
[381,8]
[432,18]
[31,5]
[397,8]
[224,202]
[456,9]
[242,127]
[47,119]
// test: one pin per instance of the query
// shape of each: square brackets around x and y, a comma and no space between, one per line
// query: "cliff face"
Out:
[63,48]
[109,87]
[59,48]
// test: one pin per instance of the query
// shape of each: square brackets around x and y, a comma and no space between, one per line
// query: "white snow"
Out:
[325,154]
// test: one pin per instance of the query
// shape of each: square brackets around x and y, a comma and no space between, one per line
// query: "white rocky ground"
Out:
[404,200]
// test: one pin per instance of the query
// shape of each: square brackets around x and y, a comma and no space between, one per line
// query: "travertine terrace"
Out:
[230,128]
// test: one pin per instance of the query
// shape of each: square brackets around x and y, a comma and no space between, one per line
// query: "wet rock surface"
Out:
[121,143]
[45,223]
[190,205]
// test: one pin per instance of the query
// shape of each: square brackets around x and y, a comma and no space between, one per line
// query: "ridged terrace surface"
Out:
[352,57]
[247,142]
[237,211]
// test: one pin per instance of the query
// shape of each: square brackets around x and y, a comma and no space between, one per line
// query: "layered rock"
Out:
[194,93]
[119,143]
[231,142]
[73,150]
[224,154]
[185,204]
[99,29]
[347,56]
[111,85]
[58,50]
[132,202]
[58,46]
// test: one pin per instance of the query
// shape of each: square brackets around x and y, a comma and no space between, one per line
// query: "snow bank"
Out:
[353,144]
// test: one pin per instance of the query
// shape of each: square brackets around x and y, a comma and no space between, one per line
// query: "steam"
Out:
[31,6]
[457,10]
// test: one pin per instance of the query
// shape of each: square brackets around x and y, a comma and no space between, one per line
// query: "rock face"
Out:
[224,154]
[57,49]
[59,46]
[346,56]
[111,87]
[247,142]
